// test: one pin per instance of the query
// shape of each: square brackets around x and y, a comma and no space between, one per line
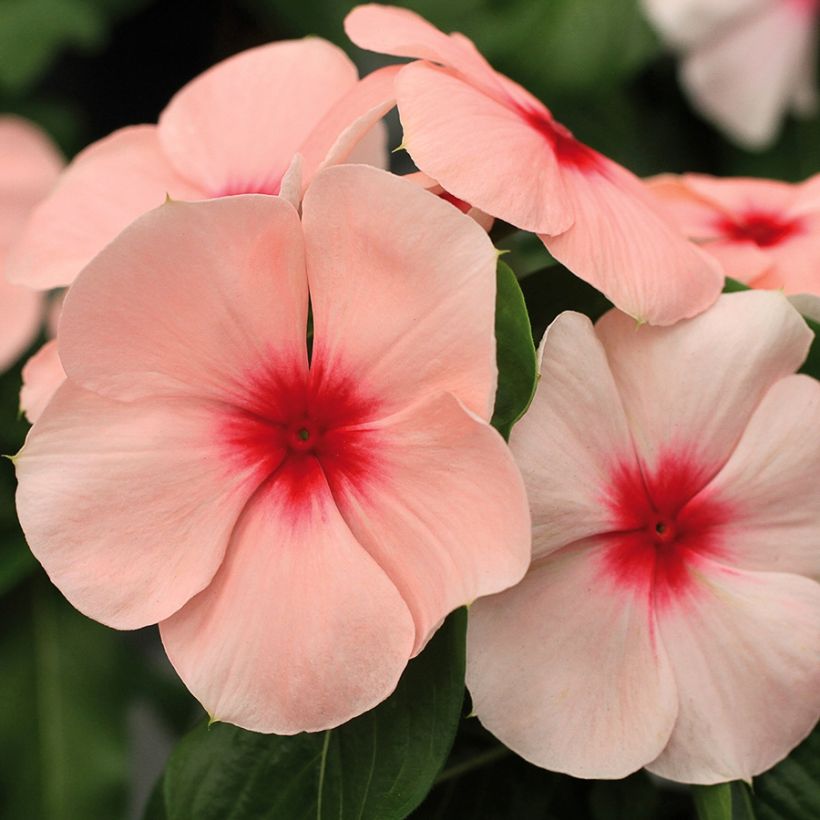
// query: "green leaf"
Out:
[376,767]
[515,352]
[791,790]
[63,753]
[725,801]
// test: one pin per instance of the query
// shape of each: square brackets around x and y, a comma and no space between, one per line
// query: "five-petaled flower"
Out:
[490,143]
[299,521]
[666,620]
[765,233]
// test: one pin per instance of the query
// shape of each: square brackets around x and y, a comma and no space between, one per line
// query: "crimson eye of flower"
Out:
[764,229]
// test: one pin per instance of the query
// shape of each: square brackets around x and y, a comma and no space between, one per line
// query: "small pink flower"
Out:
[745,63]
[234,129]
[666,620]
[764,233]
[29,164]
[298,525]
[489,142]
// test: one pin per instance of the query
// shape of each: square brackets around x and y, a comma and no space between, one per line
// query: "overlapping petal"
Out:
[21,313]
[42,375]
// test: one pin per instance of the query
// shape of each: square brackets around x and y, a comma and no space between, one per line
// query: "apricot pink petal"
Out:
[21,312]
[798,260]
[573,436]
[127,505]
[567,670]
[300,629]
[234,128]
[42,375]
[624,248]
[29,165]
[104,189]
[740,194]
[487,155]
[410,317]
[742,260]
[694,386]
[441,550]
[749,76]
[741,711]
[695,214]
[350,131]
[770,483]
[189,300]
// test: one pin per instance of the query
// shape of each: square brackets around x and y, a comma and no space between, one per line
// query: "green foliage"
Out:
[515,352]
[63,723]
[724,801]
[376,767]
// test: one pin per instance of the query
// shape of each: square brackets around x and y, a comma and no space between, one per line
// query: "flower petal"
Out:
[567,670]
[402,288]
[443,511]
[42,375]
[21,312]
[104,189]
[189,300]
[481,151]
[770,483]
[621,245]
[235,128]
[692,387]
[572,438]
[745,650]
[128,506]
[299,630]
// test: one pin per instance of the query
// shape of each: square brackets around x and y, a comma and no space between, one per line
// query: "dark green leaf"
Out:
[63,731]
[376,767]
[791,790]
[515,352]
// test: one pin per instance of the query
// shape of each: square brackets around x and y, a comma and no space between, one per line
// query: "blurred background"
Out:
[87,715]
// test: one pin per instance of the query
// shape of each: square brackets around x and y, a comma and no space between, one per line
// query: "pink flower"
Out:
[666,620]
[234,129]
[745,63]
[489,142]
[764,233]
[299,525]
[29,164]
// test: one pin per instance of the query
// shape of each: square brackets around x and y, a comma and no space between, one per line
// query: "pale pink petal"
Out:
[798,260]
[21,313]
[350,131]
[694,213]
[42,375]
[572,437]
[688,22]
[29,165]
[429,184]
[403,33]
[745,79]
[808,304]
[190,299]
[128,505]
[402,288]
[770,483]
[741,260]
[622,245]
[692,387]
[738,195]
[745,651]
[105,188]
[441,548]
[300,630]
[235,128]
[487,155]
[567,670]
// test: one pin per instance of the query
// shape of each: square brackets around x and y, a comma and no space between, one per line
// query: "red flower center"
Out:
[663,523]
[764,229]
[568,150]
[290,424]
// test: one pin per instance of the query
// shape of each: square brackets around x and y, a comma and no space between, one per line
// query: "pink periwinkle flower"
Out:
[667,619]
[766,234]
[298,524]
[745,64]
[29,165]
[490,143]
[237,128]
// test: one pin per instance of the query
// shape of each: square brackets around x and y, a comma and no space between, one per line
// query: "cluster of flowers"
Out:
[264,422]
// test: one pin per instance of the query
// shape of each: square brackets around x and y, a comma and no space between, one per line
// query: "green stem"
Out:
[484,759]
